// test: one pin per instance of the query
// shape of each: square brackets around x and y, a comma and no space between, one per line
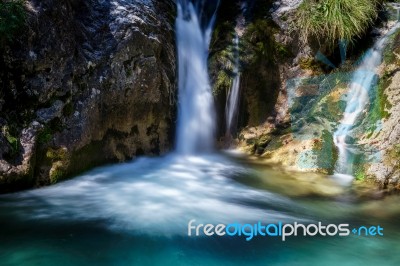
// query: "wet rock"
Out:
[47,114]
[99,78]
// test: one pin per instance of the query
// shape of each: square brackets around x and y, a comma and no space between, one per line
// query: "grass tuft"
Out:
[332,20]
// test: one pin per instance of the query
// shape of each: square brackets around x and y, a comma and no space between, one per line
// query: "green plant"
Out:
[332,20]
[12,139]
[359,174]
[307,63]
[44,135]
[380,104]
[261,43]
[56,173]
[395,152]
[12,18]
[56,154]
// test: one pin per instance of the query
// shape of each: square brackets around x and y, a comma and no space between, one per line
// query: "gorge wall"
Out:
[307,96]
[85,83]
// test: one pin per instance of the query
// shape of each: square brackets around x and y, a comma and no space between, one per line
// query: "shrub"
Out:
[332,20]
[12,18]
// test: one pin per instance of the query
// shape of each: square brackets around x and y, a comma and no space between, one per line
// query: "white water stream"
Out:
[196,114]
[231,109]
[357,103]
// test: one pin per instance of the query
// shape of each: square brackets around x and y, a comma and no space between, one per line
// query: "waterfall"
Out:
[233,95]
[357,101]
[196,114]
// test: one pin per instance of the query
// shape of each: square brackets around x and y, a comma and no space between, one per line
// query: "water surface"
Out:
[137,214]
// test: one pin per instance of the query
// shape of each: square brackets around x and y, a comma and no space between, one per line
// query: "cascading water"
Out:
[149,195]
[195,129]
[233,95]
[357,101]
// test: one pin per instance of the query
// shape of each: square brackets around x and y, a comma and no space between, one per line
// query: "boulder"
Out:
[96,77]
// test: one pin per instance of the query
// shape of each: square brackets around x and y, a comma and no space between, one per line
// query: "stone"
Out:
[45,115]
[100,83]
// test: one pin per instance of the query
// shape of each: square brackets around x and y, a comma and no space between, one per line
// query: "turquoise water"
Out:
[137,214]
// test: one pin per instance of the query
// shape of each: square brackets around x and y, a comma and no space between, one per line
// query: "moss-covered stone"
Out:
[116,89]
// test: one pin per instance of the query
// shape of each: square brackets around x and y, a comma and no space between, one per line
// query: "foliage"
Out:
[359,173]
[394,154]
[45,135]
[326,151]
[259,38]
[380,103]
[332,20]
[57,173]
[308,63]
[12,139]
[56,154]
[12,18]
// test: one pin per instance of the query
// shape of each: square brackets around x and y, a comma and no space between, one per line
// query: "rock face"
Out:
[86,83]
[387,169]
[386,138]
[310,103]
[266,51]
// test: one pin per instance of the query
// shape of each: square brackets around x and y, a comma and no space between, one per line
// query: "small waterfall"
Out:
[232,103]
[357,101]
[196,115]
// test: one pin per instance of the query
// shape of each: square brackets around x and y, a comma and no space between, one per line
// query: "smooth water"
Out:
[196,115]
[137,214]
[363,79]
[231,109]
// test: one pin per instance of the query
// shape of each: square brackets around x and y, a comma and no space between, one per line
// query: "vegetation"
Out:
[326,152]
[308,63]
[394,155]
[44,135]
[260,41]
[12,18]
[359,173]
[380,104]
[332,20]
[12,139]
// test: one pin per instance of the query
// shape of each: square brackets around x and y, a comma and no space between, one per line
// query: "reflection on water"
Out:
[137,214]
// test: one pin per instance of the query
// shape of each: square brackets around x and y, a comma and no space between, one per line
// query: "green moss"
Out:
[325,151]
[12,139]
[359,173]
[317,145]
[380,104]
[261,45]
[12,18]
[68,109]
[56,176]
[392,51]
[223,82]
[394,155]
[274,144]
[58,160]
[222,57]
[44,135]
[56,154]
[308,63]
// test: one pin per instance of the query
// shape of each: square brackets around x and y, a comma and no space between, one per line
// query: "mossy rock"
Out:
[57,172]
